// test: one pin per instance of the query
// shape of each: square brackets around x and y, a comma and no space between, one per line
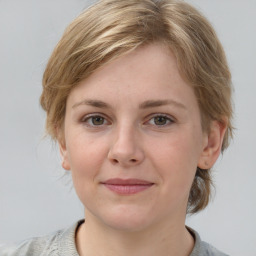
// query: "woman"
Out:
[138,96]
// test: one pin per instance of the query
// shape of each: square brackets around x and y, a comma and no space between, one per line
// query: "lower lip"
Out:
[128,189]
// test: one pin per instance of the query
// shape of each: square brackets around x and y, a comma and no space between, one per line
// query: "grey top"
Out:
[62,243]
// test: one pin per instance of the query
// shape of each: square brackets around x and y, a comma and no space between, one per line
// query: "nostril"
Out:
[133,160]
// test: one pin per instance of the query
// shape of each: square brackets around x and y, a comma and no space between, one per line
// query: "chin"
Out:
[127,219]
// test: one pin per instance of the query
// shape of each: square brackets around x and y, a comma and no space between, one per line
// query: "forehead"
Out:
[147,73]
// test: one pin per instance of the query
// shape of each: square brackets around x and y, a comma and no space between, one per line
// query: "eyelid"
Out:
[86,117]
[161,114]
[148,118]
[167,116]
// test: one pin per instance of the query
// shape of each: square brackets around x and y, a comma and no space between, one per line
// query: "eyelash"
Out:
[167,119]
[88,120]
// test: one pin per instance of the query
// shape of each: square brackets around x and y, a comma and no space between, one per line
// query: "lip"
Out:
[127,186]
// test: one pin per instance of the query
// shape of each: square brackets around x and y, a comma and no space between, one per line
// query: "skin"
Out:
[136,118]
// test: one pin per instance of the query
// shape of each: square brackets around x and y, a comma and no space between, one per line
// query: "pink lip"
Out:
[127,186]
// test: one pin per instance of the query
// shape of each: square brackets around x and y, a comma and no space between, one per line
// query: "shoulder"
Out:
[34,246]
[59,243]
[202,248]
[208,249]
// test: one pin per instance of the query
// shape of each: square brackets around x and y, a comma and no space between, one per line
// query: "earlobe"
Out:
[63,149]
[64,157]
[212,145]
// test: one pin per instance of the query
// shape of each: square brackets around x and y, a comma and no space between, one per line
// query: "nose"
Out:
[126,148]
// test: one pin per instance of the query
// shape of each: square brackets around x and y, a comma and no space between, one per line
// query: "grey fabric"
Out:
[62,243]
[202,248]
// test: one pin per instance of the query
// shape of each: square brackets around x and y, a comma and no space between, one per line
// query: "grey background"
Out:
[35,197]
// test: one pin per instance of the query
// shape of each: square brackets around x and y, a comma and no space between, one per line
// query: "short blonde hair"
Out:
[112,28]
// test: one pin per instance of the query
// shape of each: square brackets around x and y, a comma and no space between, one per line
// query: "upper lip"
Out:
[118,181]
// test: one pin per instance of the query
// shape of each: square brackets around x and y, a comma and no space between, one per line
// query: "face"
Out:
[133,140]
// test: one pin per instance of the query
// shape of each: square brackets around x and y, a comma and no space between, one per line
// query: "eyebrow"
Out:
[93,103]
[143,105]
[159,103]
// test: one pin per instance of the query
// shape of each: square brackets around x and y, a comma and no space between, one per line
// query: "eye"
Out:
[160,120]
[95,120]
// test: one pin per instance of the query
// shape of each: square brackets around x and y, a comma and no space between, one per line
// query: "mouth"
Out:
[127,186]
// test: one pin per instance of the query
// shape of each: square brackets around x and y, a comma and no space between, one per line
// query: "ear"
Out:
[64,154]
[212,144]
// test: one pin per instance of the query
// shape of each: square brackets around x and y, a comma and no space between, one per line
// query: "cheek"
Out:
[178,150]
[86,157]
[176,158]
[84,150]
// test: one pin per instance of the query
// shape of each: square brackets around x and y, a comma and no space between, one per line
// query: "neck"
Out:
[164,239]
